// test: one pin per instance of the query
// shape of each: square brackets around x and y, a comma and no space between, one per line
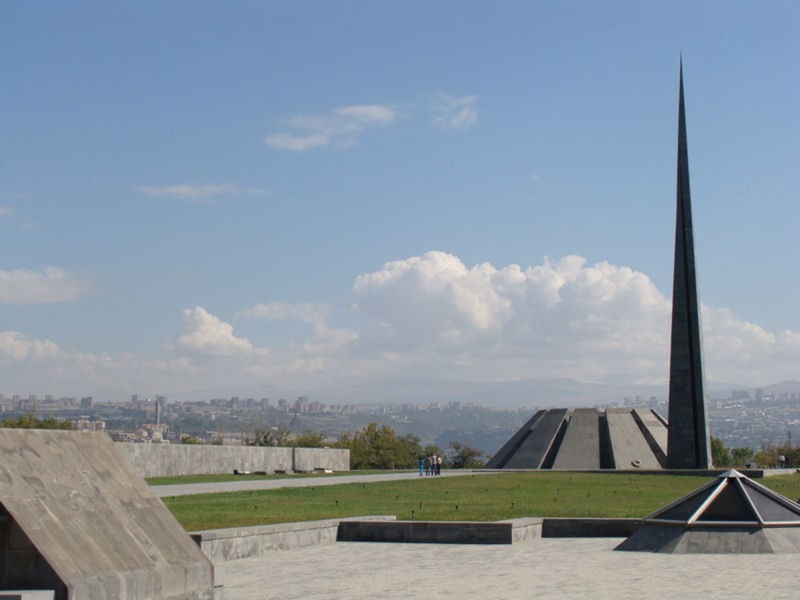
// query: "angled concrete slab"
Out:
[581,446]
[76,518]
[534,449]
[629,447]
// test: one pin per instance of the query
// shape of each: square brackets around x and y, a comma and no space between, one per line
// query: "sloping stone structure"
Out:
[586,438]
[77,519]
[732,514]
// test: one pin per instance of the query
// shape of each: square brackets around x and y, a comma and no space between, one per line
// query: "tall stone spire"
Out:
[688,445]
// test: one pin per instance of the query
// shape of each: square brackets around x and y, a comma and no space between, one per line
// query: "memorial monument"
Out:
[636,439]
[688,445]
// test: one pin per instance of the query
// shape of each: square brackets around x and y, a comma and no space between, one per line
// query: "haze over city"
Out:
[349,200]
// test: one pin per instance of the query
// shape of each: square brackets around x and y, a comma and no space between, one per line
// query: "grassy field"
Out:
[475,498]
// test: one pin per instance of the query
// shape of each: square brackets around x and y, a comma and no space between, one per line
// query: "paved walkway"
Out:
[580,568]
[290,481]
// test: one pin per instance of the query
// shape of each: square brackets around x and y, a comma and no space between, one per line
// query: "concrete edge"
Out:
[223,545]
[441,532]
[567,527]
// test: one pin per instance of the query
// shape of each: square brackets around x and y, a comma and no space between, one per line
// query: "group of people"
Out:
[430,465]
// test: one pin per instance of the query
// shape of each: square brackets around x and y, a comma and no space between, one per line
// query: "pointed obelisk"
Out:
[688,445]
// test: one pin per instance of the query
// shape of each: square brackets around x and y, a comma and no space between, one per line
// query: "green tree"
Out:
[432,449]
[274,436]
[191,440]
[32,422]
[380,448]
[767,457]
[741,457]
[465,457]
[720,455]
[310,439]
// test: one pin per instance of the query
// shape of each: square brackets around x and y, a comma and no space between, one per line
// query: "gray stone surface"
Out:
[581,446]
[75,509]
[688,445]
[713,540]
[547,569]
[654,429]
[534,449]
[512,445]
[222,545]
[168,460]
[731,513]
[629,447]
[440,532]
[571,527]
[587,439]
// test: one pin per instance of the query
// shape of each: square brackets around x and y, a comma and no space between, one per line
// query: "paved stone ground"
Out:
[581,568]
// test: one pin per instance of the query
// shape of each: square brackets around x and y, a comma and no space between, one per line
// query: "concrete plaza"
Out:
[543,569]
[547,568]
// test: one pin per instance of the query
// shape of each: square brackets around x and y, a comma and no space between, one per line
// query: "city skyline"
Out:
[315,199]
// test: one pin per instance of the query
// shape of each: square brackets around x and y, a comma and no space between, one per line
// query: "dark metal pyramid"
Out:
[688,444]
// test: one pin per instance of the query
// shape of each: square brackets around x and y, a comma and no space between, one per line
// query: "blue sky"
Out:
[309,197]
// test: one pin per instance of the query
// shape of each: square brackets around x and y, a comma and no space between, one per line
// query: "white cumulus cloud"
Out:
[560,313]
[17,346]
[429,316]
[54,284]
[205,334]
[340,126]
[562,318]
[448,112]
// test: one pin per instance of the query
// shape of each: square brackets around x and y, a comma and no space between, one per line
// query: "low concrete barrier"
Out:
[222,545]
[555,527]
[169,460]
[440,532]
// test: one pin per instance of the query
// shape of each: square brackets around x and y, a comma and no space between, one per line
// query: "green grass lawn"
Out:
[468,498]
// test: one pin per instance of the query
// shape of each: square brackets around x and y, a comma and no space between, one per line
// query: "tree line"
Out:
[374,447]
[768,456]
[34,422]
